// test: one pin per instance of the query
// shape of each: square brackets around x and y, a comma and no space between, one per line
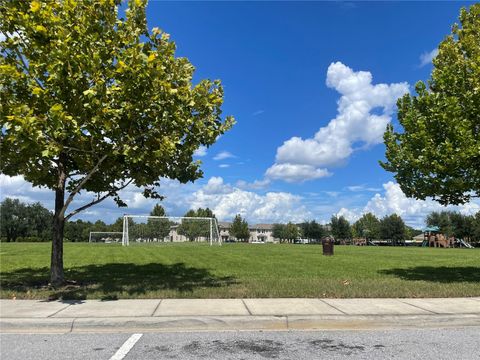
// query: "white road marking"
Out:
[126,347]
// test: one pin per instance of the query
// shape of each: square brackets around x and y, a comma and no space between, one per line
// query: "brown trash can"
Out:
[327,245]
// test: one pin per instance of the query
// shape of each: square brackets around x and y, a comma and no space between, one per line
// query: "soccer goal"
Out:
[138,229]
[105,237]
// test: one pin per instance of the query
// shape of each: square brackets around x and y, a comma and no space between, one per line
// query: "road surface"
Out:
[461,343]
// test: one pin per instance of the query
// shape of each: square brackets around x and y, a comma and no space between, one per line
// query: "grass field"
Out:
[239,271]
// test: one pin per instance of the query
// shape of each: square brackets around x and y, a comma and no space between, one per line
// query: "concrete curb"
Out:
[234,323]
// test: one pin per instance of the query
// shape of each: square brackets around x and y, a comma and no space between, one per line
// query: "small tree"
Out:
[194,229]
[476,227]
[158,228]
[367,226]
[92,101]
[441,220]
[117,226]
[341,229]
[190,228]
[278,231]
[392,228]
[436,152]
[291,232]
[239,228]
[312,230]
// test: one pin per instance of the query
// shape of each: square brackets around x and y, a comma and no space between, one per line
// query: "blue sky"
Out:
[312,86]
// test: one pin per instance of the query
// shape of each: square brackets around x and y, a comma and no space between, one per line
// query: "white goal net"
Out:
[139,229]
[105,237]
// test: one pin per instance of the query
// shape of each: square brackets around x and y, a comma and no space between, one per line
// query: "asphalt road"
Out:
[422,344]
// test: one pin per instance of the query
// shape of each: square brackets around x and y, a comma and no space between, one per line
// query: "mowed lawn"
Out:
[100,271]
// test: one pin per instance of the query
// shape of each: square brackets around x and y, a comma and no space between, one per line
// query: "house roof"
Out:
[228,225]
[262,226]
[224,224]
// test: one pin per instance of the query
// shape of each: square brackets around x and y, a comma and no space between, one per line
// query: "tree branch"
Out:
[87,177]
[100,199]
[27,69]
[81,183]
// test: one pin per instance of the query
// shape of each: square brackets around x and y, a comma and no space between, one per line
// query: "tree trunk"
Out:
[57,277]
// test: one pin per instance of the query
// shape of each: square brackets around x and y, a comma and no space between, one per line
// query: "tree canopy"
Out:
[437,152]
[94,101]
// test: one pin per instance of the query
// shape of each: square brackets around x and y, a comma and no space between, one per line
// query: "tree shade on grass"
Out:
[240,271]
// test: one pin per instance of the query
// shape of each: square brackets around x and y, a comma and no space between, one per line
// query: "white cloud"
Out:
[215,185]
[255,185]
[350,215]
[332,193]
[201,151]
[224,165]
[16,187]
[223,155]
[295,172]
[258,112]
[364,110]
[359,188]
[226,201]
[427,57]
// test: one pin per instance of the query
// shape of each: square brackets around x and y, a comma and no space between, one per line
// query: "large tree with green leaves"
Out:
[437,151]
[95,101]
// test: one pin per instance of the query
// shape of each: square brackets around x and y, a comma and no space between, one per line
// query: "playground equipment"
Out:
[433,238]
[360,241]
[440,240]
[461,243]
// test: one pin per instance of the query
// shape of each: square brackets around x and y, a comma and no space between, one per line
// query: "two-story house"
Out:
[258,233]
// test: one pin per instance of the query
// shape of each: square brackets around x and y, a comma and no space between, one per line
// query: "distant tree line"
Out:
[24,222]
[32,222]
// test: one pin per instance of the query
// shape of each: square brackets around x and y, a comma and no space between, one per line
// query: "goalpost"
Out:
[106,237]
[138,229]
